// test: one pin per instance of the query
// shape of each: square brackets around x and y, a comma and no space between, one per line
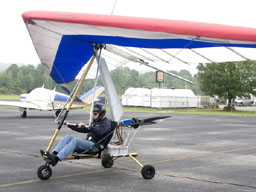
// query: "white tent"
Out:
[159,98]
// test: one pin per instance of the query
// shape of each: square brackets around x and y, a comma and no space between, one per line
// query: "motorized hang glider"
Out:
[50,100]
[65,42]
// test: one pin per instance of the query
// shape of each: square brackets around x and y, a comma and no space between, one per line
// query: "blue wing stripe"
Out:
[75,50]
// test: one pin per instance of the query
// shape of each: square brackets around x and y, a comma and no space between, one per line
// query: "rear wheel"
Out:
[44,172]
[107,162]
[148,171]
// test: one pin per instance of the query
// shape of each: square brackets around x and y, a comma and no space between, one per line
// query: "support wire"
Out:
[95,84]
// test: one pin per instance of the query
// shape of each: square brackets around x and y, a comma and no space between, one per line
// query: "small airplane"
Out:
[66,42]
[47,100]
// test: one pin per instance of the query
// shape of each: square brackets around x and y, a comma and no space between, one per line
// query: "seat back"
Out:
[108,136]
[102,144]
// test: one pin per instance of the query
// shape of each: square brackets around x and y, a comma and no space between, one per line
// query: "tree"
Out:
[14,70]
[21,79]
[228,80]
[196,87]
[123,77]
[148,79]
[5,82]
[173,82]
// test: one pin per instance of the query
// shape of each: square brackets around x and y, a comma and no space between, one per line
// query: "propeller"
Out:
[149,121]
[69,92]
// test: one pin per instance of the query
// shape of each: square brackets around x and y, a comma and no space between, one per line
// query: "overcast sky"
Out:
[16,45]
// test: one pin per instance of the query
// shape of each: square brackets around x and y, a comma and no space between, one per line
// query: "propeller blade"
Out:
[65,89]
[150,123]
[69,92]
[151,119]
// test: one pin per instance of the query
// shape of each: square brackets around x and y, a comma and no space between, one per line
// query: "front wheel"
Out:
[148,171]
[57,113]
[44,172]
[24,114]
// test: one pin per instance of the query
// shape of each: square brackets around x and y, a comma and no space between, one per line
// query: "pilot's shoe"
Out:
[53,158]
[42,153]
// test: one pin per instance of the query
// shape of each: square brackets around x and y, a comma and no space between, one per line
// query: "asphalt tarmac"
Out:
[189,152]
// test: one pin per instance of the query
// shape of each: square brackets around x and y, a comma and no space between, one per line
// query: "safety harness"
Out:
[100,145]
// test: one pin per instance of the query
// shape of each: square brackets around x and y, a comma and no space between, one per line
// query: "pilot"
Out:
[95,133]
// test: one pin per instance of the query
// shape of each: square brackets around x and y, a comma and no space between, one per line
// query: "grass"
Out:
[154,110]
[9,97]
[215,112]
[186,111]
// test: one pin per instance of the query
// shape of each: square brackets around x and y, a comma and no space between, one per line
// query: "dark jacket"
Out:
[97,131]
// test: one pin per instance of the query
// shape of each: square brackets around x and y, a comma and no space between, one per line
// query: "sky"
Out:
[16,45]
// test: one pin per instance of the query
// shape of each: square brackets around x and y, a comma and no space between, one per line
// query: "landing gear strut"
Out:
[23,112]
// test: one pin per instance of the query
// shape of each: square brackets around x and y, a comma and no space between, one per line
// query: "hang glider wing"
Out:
[19,104]
[64,41]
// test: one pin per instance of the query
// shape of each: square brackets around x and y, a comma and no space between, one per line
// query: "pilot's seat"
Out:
[98,147]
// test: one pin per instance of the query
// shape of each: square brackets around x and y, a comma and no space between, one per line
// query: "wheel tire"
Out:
[24,114]
[44,172]
[57,113]
[107,162]
[148,171]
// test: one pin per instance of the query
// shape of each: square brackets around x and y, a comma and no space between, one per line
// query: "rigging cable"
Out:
[95,84]
[113,7]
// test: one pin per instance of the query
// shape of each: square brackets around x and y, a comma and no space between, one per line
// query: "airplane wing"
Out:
[19,104]
[88,96]
[64,41]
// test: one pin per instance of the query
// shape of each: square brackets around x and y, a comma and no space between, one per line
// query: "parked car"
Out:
[238,101]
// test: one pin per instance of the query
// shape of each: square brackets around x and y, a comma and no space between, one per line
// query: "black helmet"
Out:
[99,108]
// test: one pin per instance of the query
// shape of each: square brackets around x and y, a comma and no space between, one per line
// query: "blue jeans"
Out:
[69,144]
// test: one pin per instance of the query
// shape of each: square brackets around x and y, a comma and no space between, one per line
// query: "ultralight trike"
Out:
[108,150]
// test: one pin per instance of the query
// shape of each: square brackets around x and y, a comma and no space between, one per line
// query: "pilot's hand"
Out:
[66,122]
[80,125]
